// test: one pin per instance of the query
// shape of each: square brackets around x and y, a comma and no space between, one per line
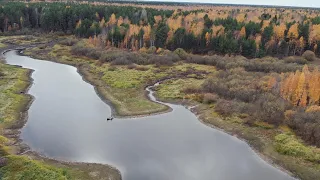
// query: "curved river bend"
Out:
[67,121]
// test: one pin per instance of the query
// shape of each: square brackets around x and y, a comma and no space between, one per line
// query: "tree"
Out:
[161,35]
[248,48]
[243,32]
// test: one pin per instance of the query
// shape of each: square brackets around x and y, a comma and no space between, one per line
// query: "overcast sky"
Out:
[299,3]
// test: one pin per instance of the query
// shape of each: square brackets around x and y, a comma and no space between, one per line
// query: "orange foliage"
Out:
[302,88]
[217,30]
[279,31]
[112,20]
[293,31]
[315,33]
[243,32]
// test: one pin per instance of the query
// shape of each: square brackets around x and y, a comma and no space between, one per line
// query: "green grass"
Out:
[2,45]
[21,167]
[289,144]
[12,101]
[173,89]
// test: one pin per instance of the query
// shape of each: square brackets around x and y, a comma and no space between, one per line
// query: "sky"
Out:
[299,3]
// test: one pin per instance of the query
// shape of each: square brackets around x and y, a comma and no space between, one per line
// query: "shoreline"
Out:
[14,131]
[192,107]
[97,87]
[186,104]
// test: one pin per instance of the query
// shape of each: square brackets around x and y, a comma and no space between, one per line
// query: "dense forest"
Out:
[251,32]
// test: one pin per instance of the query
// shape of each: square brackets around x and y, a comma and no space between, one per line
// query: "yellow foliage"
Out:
[302,88]
[279,31]
[243,32]
[293,31]
[313,108]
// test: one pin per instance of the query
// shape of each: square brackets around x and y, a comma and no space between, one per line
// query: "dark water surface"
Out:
[67,121]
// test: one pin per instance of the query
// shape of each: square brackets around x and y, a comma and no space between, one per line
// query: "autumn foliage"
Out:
[302,88]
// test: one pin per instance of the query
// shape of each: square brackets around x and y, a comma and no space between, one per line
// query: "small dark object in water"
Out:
[110,118]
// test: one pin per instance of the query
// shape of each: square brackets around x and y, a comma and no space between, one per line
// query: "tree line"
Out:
[197,31]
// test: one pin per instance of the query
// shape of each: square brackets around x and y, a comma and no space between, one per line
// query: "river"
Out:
[67,121]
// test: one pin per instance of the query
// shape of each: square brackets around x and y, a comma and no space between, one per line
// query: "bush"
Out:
[181,53]
[296,59]
[307,125]
[151,50]
[68,42]
[309,55]
[94,54]
[142,68]
[110,56]
[122,60]
[42,46]
[229,107]
[143,50]
[131,66]
[209,98]
[191,90]
[112,68]
[160,51]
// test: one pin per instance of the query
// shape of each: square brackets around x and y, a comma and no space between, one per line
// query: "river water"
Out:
[67,121]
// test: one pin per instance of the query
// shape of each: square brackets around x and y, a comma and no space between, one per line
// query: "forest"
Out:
[250,67]
[248,31]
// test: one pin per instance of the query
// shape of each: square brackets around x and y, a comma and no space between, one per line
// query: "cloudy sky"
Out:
[300,3]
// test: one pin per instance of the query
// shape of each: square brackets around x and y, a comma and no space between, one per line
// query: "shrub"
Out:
[143,50]
[309,55]
[228,107]
[160,51]
[296,59]
[191,90]
[42,46]
[112,68]
[68,42]
[131,66]
[270,108]
[209,98]
[306,125]
[122,60]
[110,56]
[181,53]
[94,54]
[151,50]
[142,68]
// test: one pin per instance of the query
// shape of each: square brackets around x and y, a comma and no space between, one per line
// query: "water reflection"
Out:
[67,121]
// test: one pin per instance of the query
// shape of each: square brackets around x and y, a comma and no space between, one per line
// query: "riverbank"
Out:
[15,158]
[259,136]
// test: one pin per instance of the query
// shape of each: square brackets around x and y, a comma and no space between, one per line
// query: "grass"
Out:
[21,167]
[173,89]
[2,45]
[289,144]
[14,81]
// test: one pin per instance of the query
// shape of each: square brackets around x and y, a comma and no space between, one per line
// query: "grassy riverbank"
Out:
[123,86]
[14,82]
